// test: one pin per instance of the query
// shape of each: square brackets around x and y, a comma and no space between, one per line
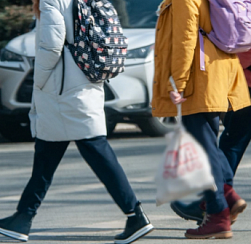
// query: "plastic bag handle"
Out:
[179,115]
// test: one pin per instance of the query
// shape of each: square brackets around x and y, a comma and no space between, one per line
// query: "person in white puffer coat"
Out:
[64,110]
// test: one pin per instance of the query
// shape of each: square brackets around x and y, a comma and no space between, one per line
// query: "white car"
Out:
[127,97]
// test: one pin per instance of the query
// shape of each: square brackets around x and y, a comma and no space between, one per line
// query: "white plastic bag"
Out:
[184,168]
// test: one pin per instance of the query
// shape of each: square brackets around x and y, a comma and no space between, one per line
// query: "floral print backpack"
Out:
[99,47]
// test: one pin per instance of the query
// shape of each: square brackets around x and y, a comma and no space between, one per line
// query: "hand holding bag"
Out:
[184,168]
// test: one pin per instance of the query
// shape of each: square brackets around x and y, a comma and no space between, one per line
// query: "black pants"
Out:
[236,136]
[205,128]
[100,157]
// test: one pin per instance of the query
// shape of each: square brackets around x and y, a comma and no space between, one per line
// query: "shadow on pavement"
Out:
[121,135]
[71,235]
[115,135]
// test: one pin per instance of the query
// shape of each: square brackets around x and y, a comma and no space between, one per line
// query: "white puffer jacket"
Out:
[78,112]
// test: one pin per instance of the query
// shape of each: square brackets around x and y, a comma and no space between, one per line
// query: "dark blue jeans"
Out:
[100,157]
[205,128]
[235,137]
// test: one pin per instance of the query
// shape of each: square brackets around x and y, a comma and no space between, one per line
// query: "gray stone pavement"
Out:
[77,208]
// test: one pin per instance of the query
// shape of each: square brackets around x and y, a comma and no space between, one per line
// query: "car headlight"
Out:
[6,55]
[140,52]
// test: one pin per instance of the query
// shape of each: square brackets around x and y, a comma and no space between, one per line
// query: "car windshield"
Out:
[137,13]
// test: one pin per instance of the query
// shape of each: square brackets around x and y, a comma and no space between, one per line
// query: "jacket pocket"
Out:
[190,85]
[73,75]
[42,77]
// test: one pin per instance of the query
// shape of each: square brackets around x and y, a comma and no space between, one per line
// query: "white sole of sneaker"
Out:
[14,235]
[140,233]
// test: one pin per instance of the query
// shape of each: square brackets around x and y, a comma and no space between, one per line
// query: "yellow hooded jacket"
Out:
[177,54]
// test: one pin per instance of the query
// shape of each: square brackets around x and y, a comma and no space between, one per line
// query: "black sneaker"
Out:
[16,226]
[192,211]
[136,227]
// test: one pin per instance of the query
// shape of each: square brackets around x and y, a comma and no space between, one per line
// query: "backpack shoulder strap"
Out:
[75,16]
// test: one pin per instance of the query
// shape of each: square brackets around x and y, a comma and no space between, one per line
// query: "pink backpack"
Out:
[231,21]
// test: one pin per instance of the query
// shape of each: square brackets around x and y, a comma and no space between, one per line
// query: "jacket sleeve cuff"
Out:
[180,85]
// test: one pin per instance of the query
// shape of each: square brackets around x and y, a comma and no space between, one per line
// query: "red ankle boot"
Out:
[235,202]
[213,226]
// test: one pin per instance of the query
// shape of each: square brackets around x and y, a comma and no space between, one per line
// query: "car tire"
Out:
[110,126]
[15,131]
[156,127]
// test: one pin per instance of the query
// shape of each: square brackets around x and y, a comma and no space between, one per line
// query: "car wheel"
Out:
[15,131]
[156,126]
[110,126]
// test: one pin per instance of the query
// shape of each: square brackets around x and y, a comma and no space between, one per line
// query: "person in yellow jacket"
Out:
[204,91]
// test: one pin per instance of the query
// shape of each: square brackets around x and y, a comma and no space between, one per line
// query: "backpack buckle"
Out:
[202,32]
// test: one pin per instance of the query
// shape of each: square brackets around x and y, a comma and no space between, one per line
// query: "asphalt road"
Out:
[77,208]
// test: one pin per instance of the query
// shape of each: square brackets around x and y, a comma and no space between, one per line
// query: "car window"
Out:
[137,13]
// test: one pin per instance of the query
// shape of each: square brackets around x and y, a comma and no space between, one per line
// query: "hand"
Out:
[176,97]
